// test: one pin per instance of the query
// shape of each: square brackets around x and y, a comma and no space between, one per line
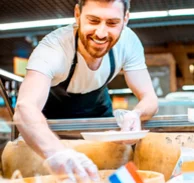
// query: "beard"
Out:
[96,51]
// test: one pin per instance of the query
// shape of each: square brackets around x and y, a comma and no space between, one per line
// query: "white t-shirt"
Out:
[54,56]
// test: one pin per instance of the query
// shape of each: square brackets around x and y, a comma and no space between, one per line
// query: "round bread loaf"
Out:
[18,155]
[160,152]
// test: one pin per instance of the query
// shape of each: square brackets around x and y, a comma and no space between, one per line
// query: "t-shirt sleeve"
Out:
[134,53]
[47,57]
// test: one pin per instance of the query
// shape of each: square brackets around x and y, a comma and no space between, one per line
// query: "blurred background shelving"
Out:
[168,42]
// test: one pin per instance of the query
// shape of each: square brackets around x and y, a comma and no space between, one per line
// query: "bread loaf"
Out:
[160,151]
[106,155]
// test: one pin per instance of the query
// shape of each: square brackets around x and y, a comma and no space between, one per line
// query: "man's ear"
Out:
[77,14]
[126,18]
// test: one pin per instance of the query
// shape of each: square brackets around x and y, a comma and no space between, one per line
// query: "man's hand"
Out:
[131,121]
[65,164]
[128,121]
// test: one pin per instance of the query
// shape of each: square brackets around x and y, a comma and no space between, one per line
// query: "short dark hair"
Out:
[126,3]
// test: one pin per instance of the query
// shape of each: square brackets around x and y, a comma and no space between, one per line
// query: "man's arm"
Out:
[140,83]
[33,127]
[32,124]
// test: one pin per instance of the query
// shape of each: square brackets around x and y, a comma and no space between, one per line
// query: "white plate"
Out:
[114,135]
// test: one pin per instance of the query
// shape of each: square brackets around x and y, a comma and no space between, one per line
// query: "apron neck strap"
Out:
[76,48]
[112,66]
[72,69]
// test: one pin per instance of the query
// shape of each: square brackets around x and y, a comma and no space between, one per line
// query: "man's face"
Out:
[100,26]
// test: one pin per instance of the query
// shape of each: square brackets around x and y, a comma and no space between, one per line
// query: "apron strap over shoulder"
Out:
[112,66]
[72,69]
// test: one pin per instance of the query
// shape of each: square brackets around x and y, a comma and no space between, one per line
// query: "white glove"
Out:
[65,164]
[128,120]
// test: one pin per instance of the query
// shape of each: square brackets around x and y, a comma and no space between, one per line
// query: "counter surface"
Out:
[71,128]
[168,123]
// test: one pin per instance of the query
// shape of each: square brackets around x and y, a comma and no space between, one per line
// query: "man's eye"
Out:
[94,21]
[112,23]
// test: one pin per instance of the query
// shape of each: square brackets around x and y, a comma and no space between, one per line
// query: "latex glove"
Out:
[65,164]
[131,121]
[128,120]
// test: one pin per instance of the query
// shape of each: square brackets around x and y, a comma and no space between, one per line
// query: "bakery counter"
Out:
[158,152]
[71,128]
[165,147]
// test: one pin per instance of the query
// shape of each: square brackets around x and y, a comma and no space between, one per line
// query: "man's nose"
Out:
[101,31]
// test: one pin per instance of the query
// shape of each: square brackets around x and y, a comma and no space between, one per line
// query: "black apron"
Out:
[63,105]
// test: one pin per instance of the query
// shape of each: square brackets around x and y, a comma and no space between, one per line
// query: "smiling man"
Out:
[75,63]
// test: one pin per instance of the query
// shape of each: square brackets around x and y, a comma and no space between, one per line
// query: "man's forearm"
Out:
[147,107]
[35,131]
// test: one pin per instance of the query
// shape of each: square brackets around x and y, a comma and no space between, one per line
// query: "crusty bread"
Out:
[106,155]
[160,152]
